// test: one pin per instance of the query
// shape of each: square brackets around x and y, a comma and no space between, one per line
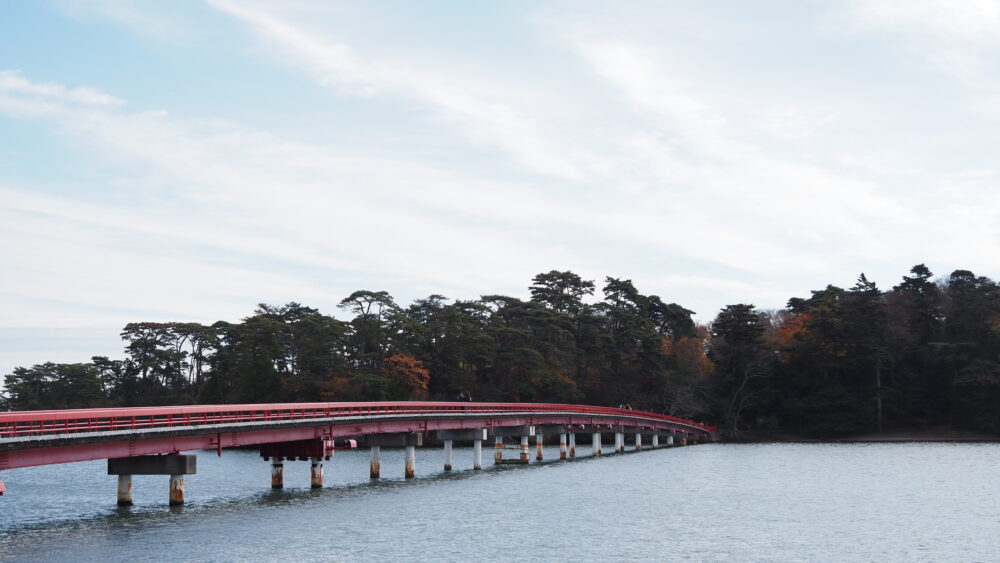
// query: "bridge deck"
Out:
[29,438]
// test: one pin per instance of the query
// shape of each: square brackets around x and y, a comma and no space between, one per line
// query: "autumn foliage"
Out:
[409,373]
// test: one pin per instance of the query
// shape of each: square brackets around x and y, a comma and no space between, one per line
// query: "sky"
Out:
[187,160]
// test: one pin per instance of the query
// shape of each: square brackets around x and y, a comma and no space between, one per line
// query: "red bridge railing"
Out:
[50,423]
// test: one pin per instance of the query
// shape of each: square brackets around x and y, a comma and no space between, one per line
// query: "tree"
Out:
[742,363]
[562,291]
[369,337]
[408,377]
[54,386]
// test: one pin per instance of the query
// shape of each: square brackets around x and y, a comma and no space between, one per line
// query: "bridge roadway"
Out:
[149,440]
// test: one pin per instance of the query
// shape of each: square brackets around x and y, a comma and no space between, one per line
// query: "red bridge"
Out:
[149,440]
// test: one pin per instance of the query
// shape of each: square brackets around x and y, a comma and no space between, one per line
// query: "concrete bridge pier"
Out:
[670,440]
[177,490]
[277,472]
[572,444]
[638,441]
[595,442]
[524,433]
[410,468]
[374,464]
[124,490]
[316,472]
[314,450]
[174,465]
[619,442]
[498,449]
[550,429]
[447,454]
[475,435]
[407,440]
[656,440]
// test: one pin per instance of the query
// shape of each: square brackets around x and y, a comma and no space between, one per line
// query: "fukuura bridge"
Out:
[149,440]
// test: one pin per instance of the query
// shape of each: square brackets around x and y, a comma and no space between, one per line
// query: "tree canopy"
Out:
[838,362]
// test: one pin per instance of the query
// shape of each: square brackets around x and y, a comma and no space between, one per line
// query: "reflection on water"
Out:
[711,502]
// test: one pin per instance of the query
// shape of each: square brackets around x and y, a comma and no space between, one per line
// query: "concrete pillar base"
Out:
[176,490]
[410,470]
[316,473]
[447,455]
[124,490]
[175,465]
[375,466]
[277,473]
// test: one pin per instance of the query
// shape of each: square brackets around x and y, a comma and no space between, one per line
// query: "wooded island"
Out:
[840,362]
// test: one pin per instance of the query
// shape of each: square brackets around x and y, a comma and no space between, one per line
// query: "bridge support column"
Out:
[523,433]
[477,455]
[620,442]
[277,473]
[124,490]
[410,471]
[447,454]
[316,473]
[176,490]
[539,442]
[562,446]
[174,465]
[670,440]
[374,464]
[656,440]
[595,442]
[638,441]
[572,444]
[498,449]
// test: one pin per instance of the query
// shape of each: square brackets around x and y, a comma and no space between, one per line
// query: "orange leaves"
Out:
[408,371]
[793,329]
[691,358]
[334,389]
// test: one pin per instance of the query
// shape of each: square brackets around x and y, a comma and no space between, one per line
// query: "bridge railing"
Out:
[56,422]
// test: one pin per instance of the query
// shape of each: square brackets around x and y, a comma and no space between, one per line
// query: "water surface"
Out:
[768,502]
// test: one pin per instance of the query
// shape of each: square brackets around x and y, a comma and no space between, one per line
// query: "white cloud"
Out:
[485,111]
[957,38]
[13,82]
[973,22]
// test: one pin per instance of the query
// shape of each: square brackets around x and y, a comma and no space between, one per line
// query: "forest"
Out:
[840,362]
